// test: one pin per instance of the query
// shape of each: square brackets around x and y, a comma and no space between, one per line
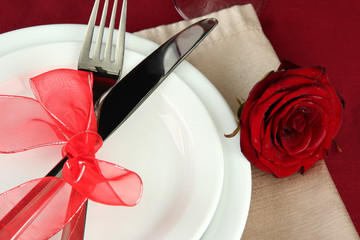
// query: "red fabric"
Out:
[321,32]
[141,14]
[325,32]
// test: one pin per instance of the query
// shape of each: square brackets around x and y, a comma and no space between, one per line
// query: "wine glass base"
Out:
[189,9]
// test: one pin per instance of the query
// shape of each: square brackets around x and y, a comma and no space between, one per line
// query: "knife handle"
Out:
[14,223]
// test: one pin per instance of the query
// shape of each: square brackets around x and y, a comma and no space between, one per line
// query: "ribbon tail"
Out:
[103,182]
[36,209]
[74,230]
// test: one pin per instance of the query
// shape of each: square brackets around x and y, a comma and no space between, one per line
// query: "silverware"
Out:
[103,67]
[117,104]
[106,65]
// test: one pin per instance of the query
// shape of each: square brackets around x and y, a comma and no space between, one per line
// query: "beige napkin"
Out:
[234,57]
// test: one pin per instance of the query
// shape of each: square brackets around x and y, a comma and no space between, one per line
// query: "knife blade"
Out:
[128,93]
[137,85]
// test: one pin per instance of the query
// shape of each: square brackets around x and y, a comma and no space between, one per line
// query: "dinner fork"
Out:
[105,66]
[108,66]
[101,66]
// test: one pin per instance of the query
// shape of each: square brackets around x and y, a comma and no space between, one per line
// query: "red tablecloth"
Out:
[321,32]
[326,33]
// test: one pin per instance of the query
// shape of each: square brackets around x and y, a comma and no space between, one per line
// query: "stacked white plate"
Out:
[197,183]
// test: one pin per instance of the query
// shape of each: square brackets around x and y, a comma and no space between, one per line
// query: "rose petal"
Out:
[279,170]
[308,162]
[295,142]
[337,111]
[274,155]
[257,119]
[281,152]
[314,73]
[245,138]
[313,140]
[293,98]
[280,111]
[284,85]
[273,104]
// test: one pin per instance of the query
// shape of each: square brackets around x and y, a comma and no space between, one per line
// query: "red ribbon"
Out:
[62,113]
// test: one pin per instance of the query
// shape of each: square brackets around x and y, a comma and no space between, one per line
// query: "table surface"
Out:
[308,33]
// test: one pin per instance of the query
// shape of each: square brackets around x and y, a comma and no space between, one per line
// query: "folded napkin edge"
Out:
[237,19]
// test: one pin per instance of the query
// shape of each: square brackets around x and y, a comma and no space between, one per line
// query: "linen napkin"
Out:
[234,57]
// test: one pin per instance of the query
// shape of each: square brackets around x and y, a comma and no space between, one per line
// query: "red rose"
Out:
[289,120]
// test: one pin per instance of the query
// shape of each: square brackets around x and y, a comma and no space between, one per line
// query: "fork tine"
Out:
[108,47]
[120,44]
[95,63]
[89,32]
[101,31]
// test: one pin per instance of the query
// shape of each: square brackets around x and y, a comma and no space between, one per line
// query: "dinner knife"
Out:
[130,92]
[137,85]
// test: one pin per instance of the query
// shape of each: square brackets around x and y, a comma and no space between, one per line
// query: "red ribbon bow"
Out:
[62,113]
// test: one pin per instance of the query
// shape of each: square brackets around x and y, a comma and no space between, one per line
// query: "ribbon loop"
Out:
[66,95]
[63,113]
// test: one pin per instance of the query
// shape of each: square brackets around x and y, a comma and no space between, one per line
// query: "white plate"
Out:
[174,141]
